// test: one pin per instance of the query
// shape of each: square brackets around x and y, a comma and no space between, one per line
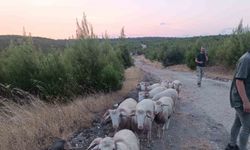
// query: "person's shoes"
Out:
[230,147]
[199,84]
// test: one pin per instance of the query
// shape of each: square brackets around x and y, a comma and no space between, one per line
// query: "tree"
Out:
[122,35]
[85,29]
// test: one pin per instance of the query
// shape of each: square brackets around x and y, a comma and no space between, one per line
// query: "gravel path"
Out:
[204,116]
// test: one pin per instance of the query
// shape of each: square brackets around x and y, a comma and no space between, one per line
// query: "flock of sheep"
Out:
[156,104]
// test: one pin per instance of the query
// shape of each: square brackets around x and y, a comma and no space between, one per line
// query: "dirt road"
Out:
[204,116]
[202,120]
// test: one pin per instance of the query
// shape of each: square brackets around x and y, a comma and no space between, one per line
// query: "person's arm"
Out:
[206,56]
[242,92]
[196,60]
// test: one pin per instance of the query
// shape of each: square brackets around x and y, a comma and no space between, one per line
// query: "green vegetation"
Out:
[89,64]
[84,66]
[223,50]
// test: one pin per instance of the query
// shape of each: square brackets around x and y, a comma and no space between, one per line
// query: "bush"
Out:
[87,66]
[125,56]
[233,47]
[172,56]
[20,65]
[190,59]
[191,55]
[110,78]
[52,78]
[86,61]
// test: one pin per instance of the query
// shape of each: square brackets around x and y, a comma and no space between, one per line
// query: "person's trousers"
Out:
[200,73]
[241,128]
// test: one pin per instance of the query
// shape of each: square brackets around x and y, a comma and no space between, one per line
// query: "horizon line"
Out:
[117,37]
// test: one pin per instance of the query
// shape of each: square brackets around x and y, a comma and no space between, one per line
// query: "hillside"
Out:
[39,42]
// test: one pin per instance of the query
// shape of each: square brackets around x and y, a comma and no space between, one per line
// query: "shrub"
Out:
[110,78]
[172,56]
[86,61]
[125,56]
[20,65]
[191,55]
[234,46]
[87,66]
[52,78]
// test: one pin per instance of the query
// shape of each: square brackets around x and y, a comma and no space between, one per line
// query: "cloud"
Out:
[163,24]
[226,31]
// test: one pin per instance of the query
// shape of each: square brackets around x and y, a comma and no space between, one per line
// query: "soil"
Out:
[213,72]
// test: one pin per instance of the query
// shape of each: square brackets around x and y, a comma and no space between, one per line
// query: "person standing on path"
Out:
[201,60]
[240,101]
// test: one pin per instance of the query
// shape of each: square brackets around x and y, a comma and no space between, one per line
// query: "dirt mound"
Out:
[15,94]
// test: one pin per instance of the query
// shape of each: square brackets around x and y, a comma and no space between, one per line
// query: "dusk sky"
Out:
[57,18]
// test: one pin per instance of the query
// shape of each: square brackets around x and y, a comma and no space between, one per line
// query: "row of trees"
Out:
[88,65]
[222,49]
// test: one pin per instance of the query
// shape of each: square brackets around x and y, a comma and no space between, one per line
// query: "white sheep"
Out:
[142,86]
[145,94]
[155,91]
[165,83]
[168,92]
[170,84]
[177,85]
[141,95]
[145,116]
[150,87]
[120,117]
[122,140]
[163,111]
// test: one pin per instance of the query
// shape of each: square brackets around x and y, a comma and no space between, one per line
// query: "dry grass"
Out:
[214,72]
[33,127]
[219,72]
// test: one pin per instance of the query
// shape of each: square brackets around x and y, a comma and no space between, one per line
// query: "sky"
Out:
[166,18]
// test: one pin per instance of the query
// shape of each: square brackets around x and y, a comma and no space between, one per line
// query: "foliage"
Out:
[172,55]
[190,57]
[87,66]
[222,49]
[19,65]
[127,60]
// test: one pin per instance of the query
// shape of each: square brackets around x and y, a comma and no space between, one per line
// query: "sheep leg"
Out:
[168,122]
[158,131]
[174,106]
[149,135]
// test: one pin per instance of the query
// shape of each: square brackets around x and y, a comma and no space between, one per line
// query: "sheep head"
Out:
[115,116]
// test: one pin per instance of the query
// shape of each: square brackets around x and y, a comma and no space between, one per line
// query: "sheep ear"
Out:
[122,110]
[94,143]
[138,86]
[149,114]
[118,140]
[106,118]
[106,114]
[158,102]
[132,113]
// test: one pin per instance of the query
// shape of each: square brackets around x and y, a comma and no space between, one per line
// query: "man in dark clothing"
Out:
[240,101]
[201,60]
